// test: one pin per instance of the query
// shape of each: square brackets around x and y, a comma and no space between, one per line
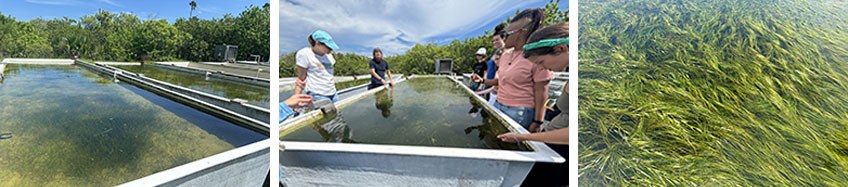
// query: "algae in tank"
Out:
[718,93]
[419,111]
[72,127]
[256,95]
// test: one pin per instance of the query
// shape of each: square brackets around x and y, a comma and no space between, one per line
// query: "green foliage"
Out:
[420,59]
[124,37]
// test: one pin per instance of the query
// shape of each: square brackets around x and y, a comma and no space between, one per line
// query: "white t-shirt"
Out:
[319,71]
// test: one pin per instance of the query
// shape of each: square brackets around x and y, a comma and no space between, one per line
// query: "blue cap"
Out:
[325,38]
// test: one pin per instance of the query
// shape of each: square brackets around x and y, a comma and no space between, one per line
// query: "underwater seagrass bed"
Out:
[717,93]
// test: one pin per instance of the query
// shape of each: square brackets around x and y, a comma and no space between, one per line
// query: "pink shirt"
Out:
[515,80]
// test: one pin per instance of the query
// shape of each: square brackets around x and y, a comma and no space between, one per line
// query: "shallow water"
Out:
[72,127]
[713,93]
[420,111]
[256,95]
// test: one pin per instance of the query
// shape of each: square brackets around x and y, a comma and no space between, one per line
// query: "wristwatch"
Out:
[537,121]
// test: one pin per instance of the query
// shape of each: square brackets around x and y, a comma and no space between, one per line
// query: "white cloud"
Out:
[110,2]
[54,2]
[393,25]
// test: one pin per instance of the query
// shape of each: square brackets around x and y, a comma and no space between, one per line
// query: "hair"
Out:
[536,16]
[376,49]
[499,30]
[559,30]
[311,41]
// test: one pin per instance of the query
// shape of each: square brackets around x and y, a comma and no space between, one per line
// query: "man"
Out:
[315,67]
[498,42]
[379,70]
[479,69]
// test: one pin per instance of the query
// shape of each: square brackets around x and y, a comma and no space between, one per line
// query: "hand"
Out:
[384,81]
[535,127]
[509,137]
[298,100]
[299,83]
[392,83]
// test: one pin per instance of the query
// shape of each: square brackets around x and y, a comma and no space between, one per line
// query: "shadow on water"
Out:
[420,111]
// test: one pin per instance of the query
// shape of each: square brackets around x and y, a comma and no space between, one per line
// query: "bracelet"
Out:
[537,121]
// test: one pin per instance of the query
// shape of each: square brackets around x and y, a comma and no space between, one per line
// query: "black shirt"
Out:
[379,68]
[479,68]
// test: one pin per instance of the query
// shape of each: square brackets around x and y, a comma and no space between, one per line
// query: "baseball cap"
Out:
[481,51]
[324,37]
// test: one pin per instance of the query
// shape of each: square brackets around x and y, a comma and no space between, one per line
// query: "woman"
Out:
[315,67]
[548,47]
[522,85]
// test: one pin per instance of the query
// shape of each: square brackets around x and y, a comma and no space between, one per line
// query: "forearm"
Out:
[540,94]
[559,136]
[301,76]
[389,73]
[490,82]
[374,74]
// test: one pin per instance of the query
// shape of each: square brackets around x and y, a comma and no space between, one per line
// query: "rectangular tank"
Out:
[425,130]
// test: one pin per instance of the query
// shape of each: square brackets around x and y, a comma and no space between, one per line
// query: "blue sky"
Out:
[393,25]
[159,9]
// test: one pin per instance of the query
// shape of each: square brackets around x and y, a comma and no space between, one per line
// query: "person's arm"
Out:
[487,90]
[540,94]
[301,76]
[285,112]
[480,87]
[374,74]
[559,136]
[391,80]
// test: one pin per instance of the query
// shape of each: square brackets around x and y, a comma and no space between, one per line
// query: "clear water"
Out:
[256,95]
[420,111]
[72,127]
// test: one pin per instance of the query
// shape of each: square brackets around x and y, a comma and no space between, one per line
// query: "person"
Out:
[315,67]
[522,85]
[497,41]
[379,69]
[292,105]
[548,47]
[479,69]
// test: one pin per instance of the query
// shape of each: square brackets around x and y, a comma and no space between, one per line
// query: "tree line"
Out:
[421,58]
[124,37]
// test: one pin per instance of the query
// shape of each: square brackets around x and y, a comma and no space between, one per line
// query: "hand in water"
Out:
[509,137]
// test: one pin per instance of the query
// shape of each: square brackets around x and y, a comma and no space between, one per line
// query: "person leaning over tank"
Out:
[379,69]
[522,85]
[479,69]
[497,41]
[548,47]
[315,67]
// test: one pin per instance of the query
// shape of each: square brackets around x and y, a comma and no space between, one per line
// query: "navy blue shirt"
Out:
[379,68]
[491,67]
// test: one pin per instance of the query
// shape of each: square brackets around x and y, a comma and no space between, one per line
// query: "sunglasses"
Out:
[513,31]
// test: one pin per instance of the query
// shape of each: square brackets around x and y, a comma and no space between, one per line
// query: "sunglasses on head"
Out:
[514,31]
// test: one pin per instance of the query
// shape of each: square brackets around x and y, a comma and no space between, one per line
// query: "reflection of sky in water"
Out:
[255,95]
[72,127]
[421,111]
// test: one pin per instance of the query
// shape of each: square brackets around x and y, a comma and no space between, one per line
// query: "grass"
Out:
[716,93]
